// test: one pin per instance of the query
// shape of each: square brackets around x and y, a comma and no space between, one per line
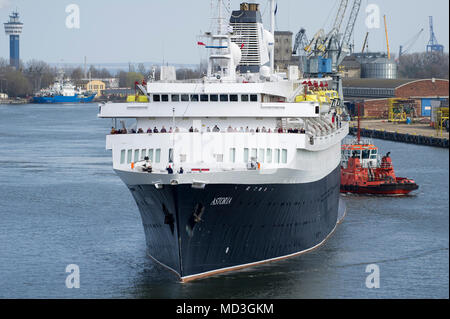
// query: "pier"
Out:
[415,133]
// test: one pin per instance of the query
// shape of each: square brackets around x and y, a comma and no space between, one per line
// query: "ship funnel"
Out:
[245,6]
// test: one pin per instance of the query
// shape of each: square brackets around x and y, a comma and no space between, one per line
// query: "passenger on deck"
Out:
[169,169]
[216,129]
[257,130]
[195,130]
[133,131]
[149,130]
[263,130]
[163,130]
[247,129]
[280,130]
[170,130]
[177,130]
[191,130]
[208,129]
[230,129]
[181,171]
[140,131]
[113,130]
[155,130]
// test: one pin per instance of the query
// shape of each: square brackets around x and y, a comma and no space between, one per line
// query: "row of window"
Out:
[204,98]
[261,155]
[126,156]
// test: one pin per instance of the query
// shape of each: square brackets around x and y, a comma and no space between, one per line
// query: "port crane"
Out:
[433,45]
[409,44]
[344,48]
[326,51]
[301,41]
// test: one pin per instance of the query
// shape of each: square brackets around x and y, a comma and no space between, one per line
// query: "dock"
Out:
[415,133]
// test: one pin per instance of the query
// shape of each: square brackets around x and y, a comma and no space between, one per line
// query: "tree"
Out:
[39,74]
[141,69]
[77,75]
[17,85]
[424,65]
[127,79]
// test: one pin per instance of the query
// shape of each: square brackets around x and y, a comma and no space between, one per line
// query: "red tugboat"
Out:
[363,173]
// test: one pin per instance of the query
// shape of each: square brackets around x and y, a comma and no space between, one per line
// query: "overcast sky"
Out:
[157,30]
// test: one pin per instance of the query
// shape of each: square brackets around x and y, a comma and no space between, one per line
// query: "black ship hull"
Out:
[198,232]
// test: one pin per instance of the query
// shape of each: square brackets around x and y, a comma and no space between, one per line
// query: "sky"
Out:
[118,31]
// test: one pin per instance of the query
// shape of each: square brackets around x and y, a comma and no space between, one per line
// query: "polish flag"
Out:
[242,46]
[201,43]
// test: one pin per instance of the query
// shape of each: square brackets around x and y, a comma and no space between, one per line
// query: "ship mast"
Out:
[272,30]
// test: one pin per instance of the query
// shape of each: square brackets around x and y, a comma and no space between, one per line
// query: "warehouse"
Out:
[376,94]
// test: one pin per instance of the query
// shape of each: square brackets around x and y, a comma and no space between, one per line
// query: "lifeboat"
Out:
[363,173]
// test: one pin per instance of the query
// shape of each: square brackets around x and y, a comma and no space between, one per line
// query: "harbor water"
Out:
[62,204]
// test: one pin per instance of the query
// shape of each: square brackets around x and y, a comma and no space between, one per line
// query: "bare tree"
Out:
[424,65]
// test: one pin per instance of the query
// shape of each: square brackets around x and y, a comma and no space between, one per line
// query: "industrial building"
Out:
[283,50]
[377,94]
[13,28]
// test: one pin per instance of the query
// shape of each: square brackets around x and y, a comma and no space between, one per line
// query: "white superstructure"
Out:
[228,127]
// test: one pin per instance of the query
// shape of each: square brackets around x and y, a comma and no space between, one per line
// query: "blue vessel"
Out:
[77,98]
[63,92]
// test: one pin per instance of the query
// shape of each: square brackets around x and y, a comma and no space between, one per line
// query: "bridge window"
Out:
[373,154]
[150,154]
[284,156]
[170,155]
[143,154]
[232,155]
[194,97]
[156,98]
[234,98]
[136,156]
[245,155]
[261,154]
[184,98]
[254,153]
[254,98]
[214,98]
[164,98]
[277,156]
[158,155]
[269,156]
[204,98]
[175,98]
[365,154]
[223,98]
[244,98]
[129,156]
[122,157]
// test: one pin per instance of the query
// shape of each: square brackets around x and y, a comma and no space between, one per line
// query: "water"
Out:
[61,204]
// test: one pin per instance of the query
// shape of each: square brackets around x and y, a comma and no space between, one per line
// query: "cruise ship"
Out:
[238,168]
